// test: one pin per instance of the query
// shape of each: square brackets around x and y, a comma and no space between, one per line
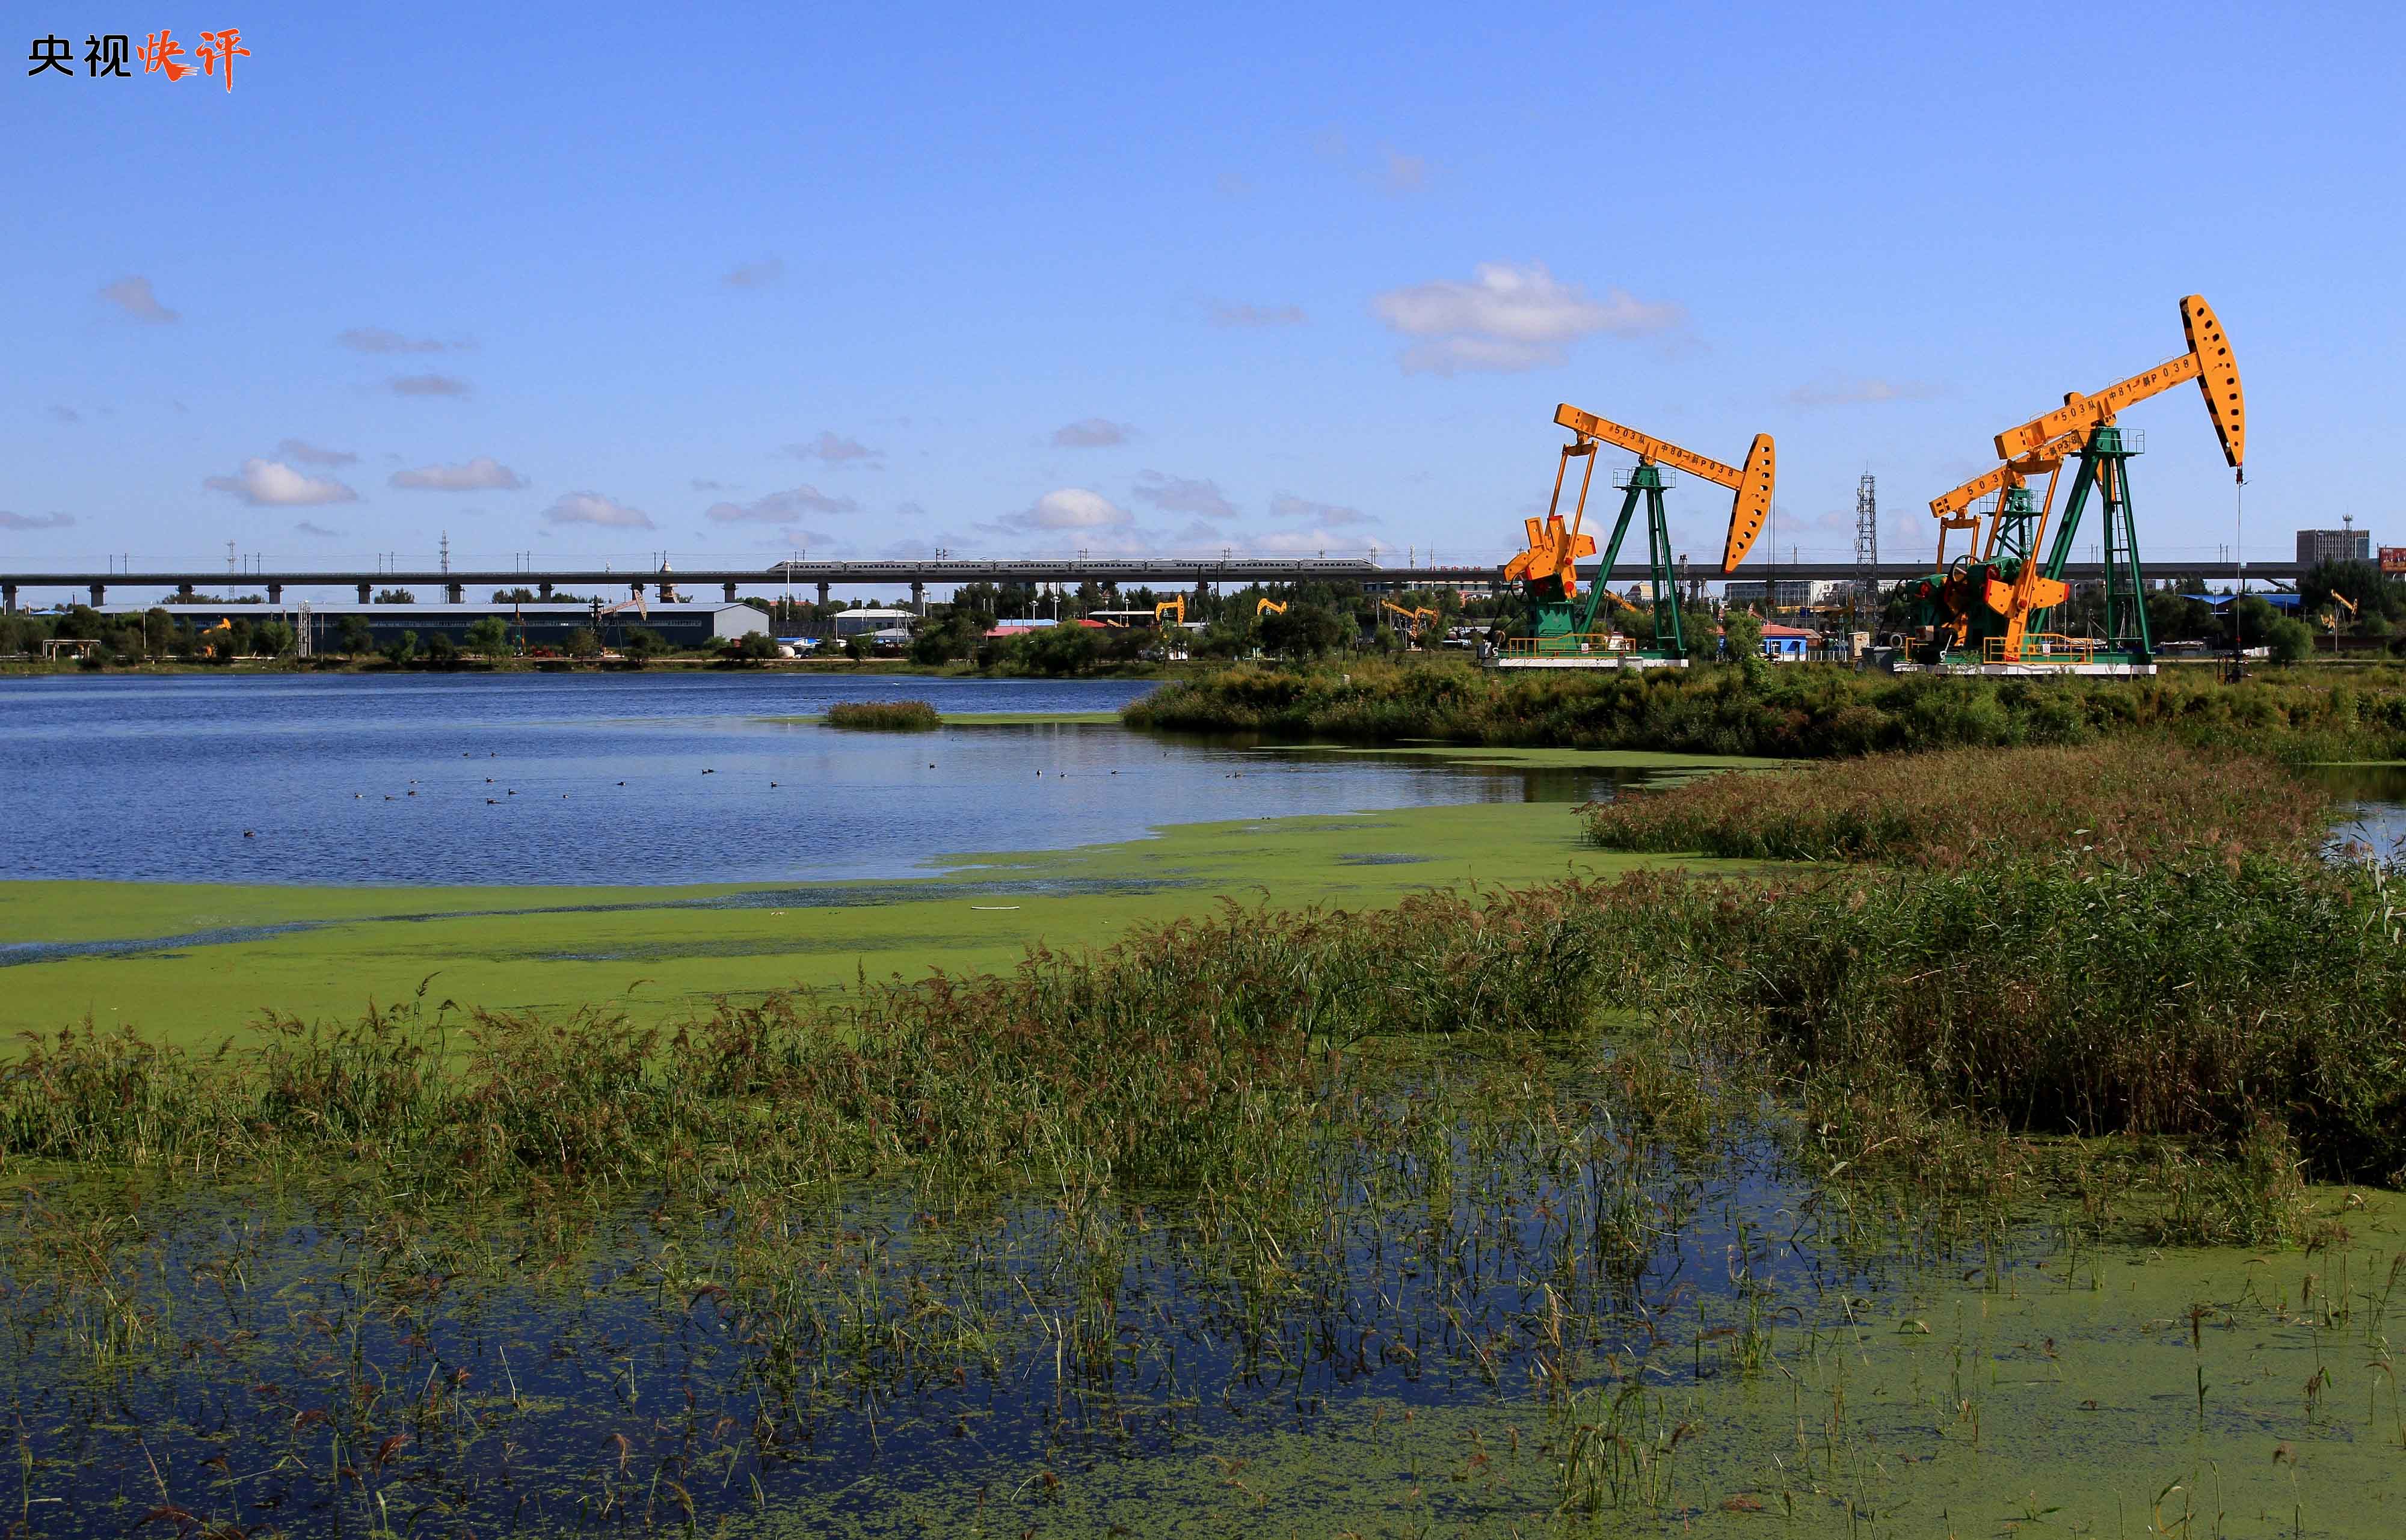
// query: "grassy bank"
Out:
[1795,712]
[2121,802]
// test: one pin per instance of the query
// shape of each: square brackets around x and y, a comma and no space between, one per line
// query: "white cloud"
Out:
[835,449]
[593,508]
[786,507]
[36,521]
[1257,315]
[482,474]
[1834,391]
[272,484]
[1091,433]
[301,452]
[759,274]
[133,295]
[428,385]
[1230,184]
[317,530]
[1284,506]
[376,339]
[1508,318]
[1179,495]
[1401,173]
[1070,508]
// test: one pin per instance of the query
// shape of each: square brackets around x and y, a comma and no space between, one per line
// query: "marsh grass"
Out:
[447,1272]
[2120,802]
[883,715]
[1801,712]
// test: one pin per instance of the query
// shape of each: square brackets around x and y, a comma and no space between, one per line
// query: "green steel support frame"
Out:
[1670,640]
[2106,469]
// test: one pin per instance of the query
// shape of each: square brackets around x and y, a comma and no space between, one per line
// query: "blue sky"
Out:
[606,281]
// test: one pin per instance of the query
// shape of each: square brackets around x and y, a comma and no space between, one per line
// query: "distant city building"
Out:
[1787,593]
[2316,546]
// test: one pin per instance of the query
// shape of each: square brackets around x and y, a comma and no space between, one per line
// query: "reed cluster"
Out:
[2119,802]
[1801,712]
[1191,1053]
[883,715]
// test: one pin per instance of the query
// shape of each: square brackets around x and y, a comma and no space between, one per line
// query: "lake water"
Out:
[624,778]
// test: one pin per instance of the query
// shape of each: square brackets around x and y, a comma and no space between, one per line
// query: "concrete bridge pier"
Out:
[823,595]
[729,589]
[99,595]
[8,598]
[544,589]
[452,593]
[919,598]
[184,594]
[363,593]
[275,593]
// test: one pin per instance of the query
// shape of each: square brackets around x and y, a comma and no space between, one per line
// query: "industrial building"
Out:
[869,622]
[532,625]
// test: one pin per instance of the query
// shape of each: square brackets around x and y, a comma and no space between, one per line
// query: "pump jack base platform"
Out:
[2102,669]
[1586,660]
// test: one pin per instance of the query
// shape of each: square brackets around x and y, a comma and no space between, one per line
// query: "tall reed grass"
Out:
[883,715]
[1804,712]
[2116,803]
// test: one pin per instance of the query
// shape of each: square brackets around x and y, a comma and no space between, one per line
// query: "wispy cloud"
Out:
[1400,173]
[36,521]
[1332,513]
[786,507]
[1180,495]
[1257,315]
[67,414]
[593,508]
[316,531]
[133,294]
[1507,319]
[1838,391]
[482,474]
[759,274]
[701,484]
[301,452]
[1091,433]
[835,449]
[377,339]
[272,484]
[428,385]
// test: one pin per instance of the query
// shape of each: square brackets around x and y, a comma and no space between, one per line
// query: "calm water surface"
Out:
[621,778]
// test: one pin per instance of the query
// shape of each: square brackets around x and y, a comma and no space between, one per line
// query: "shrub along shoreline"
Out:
[1811,713]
